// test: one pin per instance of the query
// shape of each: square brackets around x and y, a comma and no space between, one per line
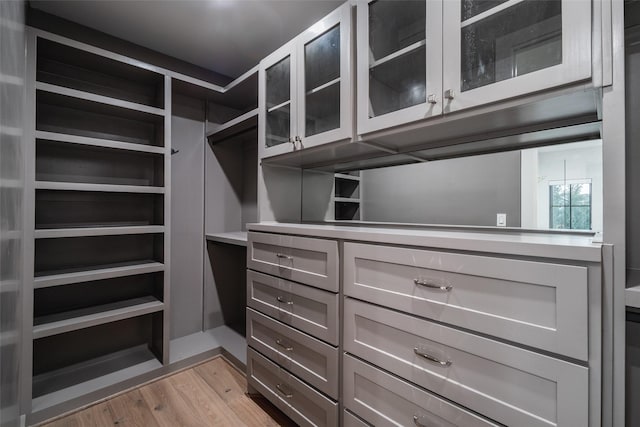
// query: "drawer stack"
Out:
[448,339]
[292,325]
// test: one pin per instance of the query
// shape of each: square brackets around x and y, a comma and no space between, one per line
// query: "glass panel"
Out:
[559,196]
[581,218]
[521,39]
[323,110]
[278,126]
[279,83]
[560,217]
[581,194]
[471,8]
[398,84]
[322,59]
[394,25]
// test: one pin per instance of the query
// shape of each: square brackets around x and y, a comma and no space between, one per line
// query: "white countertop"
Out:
[547,245]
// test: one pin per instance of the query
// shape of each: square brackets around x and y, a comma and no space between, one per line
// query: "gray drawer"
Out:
[350,420]
[303,404]
[384,400]
[508,384]
[309,309]
[310,359]
[302,259]
[541,305]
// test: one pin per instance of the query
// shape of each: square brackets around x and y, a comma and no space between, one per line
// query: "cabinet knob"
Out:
[449,94]
[431,99]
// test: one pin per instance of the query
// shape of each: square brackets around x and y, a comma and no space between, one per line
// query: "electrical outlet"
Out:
[501,220]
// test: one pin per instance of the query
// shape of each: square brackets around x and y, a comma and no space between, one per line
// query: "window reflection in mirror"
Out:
[554,187]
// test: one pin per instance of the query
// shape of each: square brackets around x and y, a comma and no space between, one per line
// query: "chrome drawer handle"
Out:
[416,421]
[284,301]
[283,345]
[426,284]
[283,256]
[285,393]
[432,359]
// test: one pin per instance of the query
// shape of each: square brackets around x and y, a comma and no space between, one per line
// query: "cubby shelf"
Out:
[98,142]
[53,233]
[46,326]
[86,96]
[346,200]
[78,186]
[347,177]
[238,238]
[234,127]
[103,272]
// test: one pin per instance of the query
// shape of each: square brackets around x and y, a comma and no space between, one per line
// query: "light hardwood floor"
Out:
[209,394]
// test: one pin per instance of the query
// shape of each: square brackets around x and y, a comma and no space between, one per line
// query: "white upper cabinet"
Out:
[497,49]
[421,58]
[399,47]
[305,95]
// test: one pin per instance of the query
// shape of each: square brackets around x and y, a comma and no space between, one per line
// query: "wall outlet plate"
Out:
[501,220]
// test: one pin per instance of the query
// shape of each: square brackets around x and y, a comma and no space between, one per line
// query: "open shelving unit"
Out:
[98,184]
[346,199]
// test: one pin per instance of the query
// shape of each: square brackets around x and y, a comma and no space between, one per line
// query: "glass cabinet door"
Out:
[324,80]
[277,102]
[399,62]
[498,49]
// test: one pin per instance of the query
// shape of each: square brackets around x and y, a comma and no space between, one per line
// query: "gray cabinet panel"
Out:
[350,420]
[542,305]
[386,401]
[308,309]
[505,383]
[302,259]
[310,359]
[300,402]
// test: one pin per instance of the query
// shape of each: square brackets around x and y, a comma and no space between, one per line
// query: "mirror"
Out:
[553,187]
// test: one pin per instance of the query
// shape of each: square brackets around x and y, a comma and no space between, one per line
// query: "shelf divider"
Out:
[112,188]
[87,96]
[46,326]
[89,275]
[54,233]
[98,142]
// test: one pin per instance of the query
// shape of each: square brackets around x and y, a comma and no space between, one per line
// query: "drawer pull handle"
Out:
[430,358]
[283,345]
[285,393]
[283,256]
[416,421]
[284,301]
[422,282]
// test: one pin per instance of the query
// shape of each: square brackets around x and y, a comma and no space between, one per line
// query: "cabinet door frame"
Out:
[275,57]
[433,49]
[575,66]
[339,17]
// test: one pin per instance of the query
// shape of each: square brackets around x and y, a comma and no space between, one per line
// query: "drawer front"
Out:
[508,384]
[386,401]
[538,304]
[310,359]
[309,309]
[303,404]
[302,259]
[351,420]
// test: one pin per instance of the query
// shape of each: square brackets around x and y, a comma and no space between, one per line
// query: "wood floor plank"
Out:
[231,386]
[131,410]
[210,394]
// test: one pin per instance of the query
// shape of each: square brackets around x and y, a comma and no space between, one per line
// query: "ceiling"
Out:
[226,36]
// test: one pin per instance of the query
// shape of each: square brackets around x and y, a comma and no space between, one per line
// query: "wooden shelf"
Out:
[347,177]
[346,200]
[46,326]
[234,127]
[79,186]
[632,296]
[87,96]
[8,285]
[54,233]
[57,278]
[238,238]
[97,142]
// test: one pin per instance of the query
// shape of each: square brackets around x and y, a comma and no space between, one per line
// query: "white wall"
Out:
[570,162]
